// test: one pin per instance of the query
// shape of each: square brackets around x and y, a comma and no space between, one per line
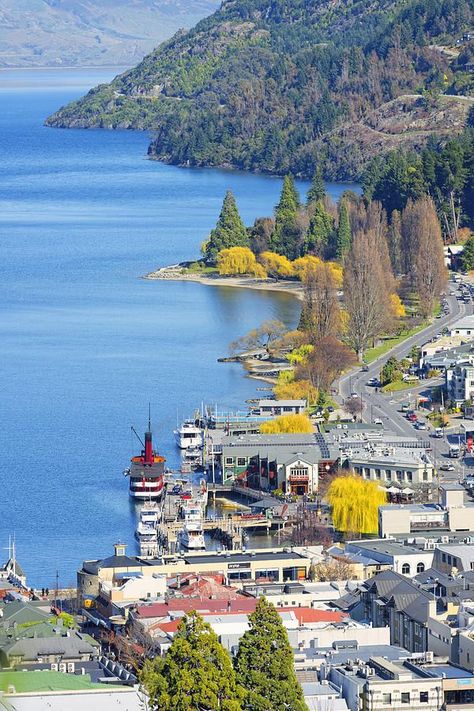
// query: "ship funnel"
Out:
[148,448]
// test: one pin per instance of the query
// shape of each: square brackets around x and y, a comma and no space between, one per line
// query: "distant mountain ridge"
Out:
[90,32]
[280,85]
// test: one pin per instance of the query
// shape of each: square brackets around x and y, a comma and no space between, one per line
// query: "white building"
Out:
[460,381]
[392,465]
[464,327]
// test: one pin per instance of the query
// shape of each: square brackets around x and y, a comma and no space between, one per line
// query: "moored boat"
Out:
[146,471]
[188,434]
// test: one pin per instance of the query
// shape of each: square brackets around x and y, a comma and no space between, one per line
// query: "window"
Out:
[405,697]
[420,568]
[423,697]
[270,574]
[387,699]
[425,475]
[399,475]
[229,460]
[406,569]
[409,476]
[377,473]
[443,557]
[241,461]
[389,475]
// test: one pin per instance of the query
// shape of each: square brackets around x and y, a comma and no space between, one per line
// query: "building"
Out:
[464,327]
[275,408]
[381,683]
[289,462]
[450,515]
[46,644]
[272,564]
[453,558]
[392,465]
[460,382]
[405,559]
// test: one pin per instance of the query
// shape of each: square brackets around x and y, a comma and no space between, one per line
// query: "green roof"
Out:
[36,681]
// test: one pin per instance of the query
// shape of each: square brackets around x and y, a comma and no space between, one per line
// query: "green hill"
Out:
[278,85]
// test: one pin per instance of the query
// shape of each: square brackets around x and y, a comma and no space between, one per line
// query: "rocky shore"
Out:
[179,272]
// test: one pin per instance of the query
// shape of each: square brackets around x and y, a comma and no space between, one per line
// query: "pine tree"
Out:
[317,190]
[229,232]
[321,229]
[195,675]
[287,235]
[467,256]
[344,236]
[264,664]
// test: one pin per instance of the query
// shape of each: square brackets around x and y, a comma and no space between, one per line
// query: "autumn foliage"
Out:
[355,503]
[239,260]
[288,424]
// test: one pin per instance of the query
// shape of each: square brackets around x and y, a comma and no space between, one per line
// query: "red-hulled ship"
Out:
[146,471]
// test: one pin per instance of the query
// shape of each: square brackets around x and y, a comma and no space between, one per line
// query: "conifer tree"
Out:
[264,664]
[287,235]
[229,232]
[344,236]
[321,229]
[195,675]
[317,190]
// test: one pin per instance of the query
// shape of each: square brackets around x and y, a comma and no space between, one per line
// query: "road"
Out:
[386,406]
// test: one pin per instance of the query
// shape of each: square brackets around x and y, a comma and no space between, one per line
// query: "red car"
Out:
[412,417]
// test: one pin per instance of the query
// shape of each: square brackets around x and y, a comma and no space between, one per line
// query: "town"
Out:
[373,617]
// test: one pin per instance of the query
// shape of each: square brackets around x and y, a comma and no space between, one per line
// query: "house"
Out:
[464,327]
[290,462]
[454,557]
[400,558]
[60,646]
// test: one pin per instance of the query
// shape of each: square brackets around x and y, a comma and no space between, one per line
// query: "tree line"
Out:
[198,674]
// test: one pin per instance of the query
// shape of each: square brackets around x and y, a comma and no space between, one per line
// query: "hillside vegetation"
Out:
[279,85]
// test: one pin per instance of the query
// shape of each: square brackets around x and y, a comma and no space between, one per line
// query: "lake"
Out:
[85,342]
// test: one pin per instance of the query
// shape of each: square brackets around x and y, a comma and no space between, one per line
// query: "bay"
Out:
[85,343]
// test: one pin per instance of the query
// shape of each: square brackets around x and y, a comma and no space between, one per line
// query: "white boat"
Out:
[150,514]
[147,540]
[191,535]
[188,435]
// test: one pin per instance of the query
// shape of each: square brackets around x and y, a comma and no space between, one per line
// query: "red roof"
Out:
[306,615]
[185,604]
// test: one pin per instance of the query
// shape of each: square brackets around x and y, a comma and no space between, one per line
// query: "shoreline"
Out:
[174,273]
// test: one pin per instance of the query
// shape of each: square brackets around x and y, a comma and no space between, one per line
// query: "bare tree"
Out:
[337,568]
[423,242]
[354,406]
[366,292]
[320,315]
[327,361]
[265,336]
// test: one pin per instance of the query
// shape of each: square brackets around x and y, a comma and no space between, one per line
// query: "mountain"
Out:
[279,85]
[90,32]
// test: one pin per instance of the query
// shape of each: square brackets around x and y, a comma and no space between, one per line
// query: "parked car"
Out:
[420,426]
[447,467]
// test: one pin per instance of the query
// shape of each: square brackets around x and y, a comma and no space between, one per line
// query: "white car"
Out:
[447,468]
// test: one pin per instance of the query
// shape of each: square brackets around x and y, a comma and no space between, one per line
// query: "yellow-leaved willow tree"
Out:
[355,504]
[239,260]
[288,424]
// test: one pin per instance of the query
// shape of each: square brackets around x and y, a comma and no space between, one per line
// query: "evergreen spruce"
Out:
[344,236]
[467,256]
[317,191]
[287,236]
[230,231]
[195,675]
[321,230]
[264,664]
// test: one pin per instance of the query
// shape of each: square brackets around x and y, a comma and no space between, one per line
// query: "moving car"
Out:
[447,467]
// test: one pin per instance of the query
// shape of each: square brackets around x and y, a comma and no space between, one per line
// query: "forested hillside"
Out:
[279,85]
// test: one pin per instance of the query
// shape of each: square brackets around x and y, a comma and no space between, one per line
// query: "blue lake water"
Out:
[85,343]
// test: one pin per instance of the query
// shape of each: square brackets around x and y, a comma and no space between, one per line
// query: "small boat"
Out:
[147,538]
[191,535]
[150,514]
[188,434]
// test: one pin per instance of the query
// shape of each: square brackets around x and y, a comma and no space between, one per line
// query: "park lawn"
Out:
[200,268]
[399,385]
[388,343]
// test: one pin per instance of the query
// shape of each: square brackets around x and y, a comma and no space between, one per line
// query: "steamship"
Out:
[146,471]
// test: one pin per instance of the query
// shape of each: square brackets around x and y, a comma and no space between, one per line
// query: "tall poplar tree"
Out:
[195,675]
[344,236]
[230,231]
[264,664]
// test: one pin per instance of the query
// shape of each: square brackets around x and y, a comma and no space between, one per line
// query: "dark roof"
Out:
[243,557]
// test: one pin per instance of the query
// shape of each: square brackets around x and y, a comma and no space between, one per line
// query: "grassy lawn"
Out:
[373,353]
[200,268]
[399,385]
